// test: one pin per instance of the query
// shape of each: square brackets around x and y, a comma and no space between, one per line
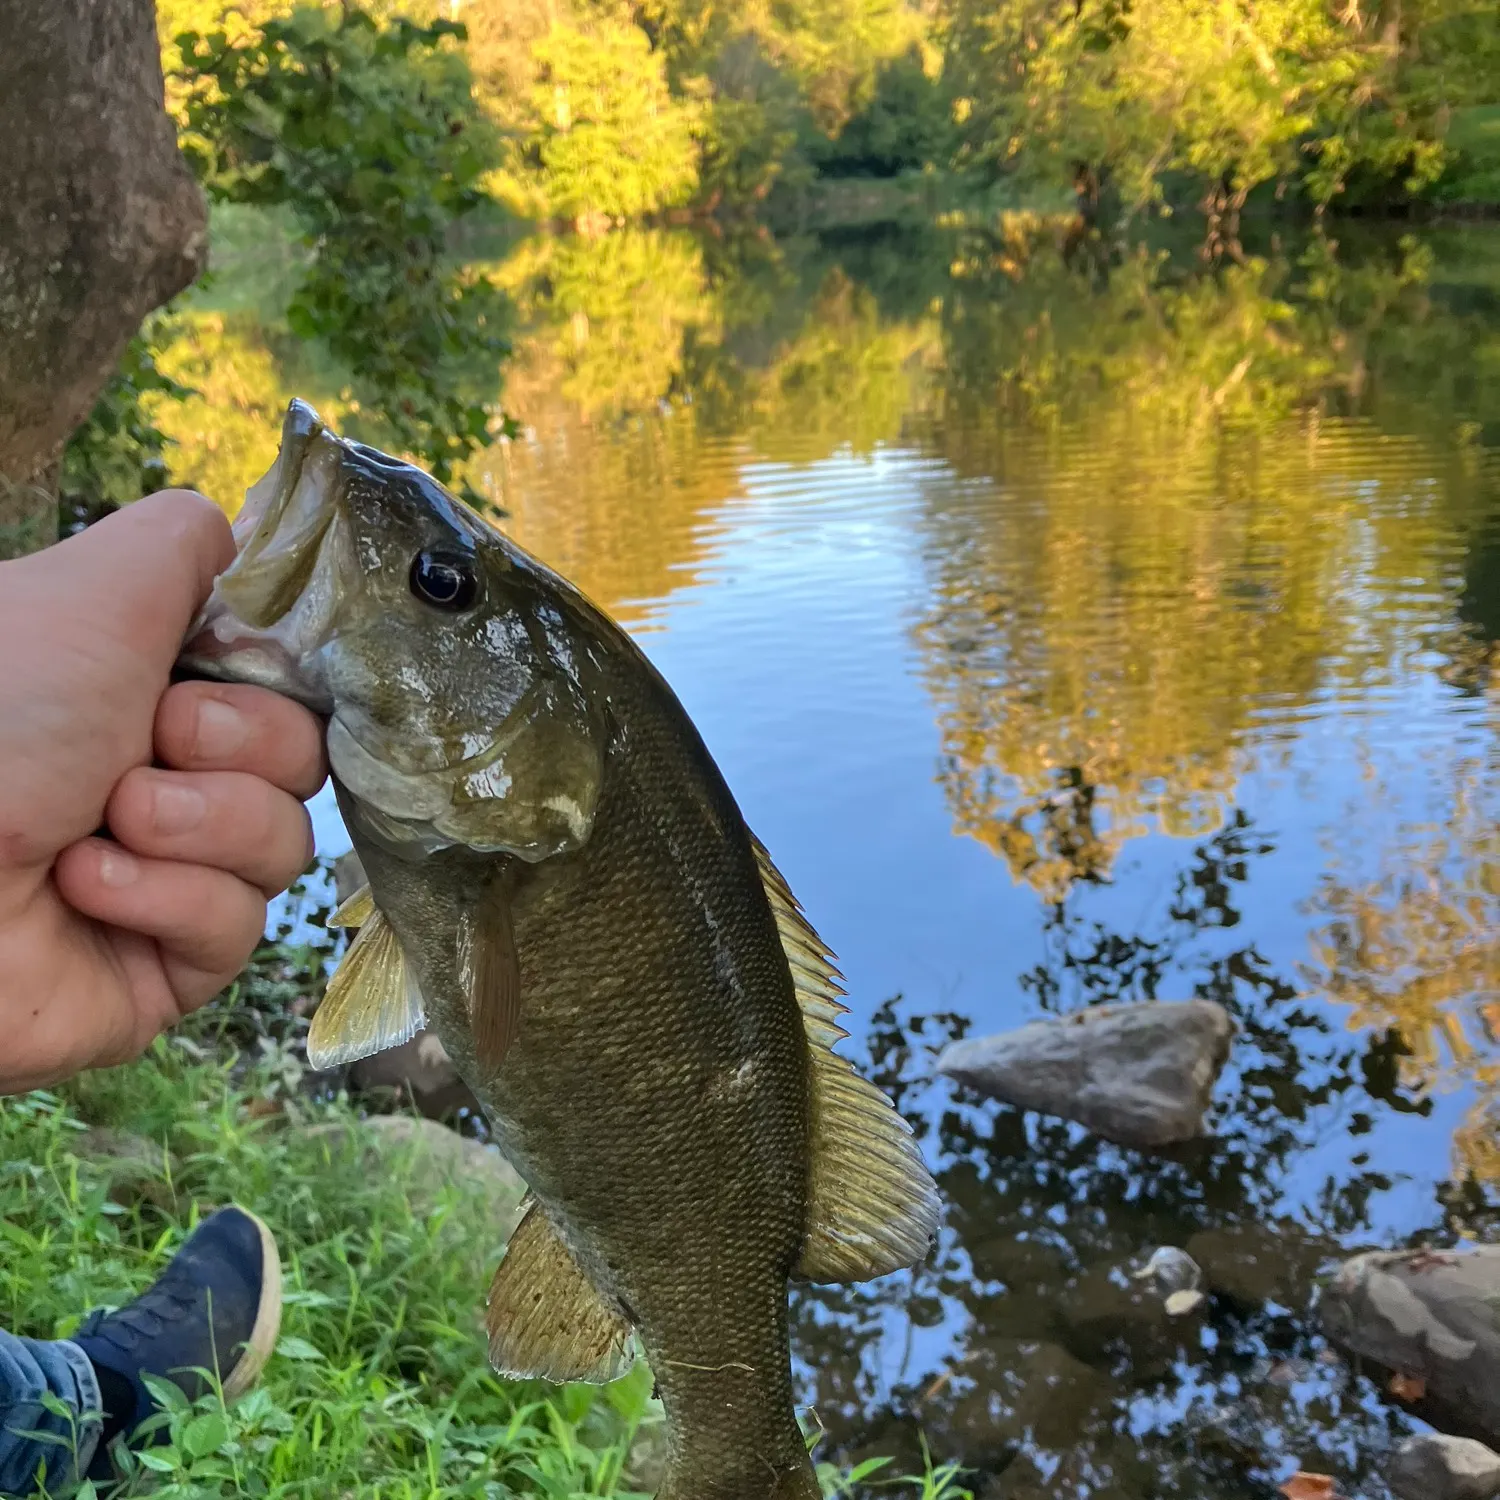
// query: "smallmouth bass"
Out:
[562,887]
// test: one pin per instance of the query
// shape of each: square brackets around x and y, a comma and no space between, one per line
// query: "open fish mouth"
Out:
[272,611]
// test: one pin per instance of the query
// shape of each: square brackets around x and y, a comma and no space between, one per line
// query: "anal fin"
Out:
[545,1319]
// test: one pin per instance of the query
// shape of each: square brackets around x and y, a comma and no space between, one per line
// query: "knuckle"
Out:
[128,810]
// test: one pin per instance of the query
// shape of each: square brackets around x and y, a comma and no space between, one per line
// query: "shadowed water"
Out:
[1072,628]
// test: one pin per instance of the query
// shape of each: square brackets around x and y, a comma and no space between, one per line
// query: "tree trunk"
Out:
[100,222]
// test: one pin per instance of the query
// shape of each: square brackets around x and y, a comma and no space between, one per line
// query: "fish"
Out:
[562,888]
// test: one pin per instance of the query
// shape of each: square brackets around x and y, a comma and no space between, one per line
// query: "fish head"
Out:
[455,688]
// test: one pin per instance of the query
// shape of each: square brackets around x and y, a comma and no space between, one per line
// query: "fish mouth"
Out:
[272,610]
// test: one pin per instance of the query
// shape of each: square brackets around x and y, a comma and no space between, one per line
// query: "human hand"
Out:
[105,944]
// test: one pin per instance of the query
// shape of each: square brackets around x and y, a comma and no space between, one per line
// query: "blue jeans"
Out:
[29,1370]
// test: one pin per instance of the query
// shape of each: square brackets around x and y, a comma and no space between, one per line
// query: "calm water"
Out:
[1070,632]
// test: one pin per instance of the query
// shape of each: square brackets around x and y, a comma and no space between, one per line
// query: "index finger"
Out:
[155,560]
[217,726]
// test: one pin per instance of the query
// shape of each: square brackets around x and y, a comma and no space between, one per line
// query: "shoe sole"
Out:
[267,1327]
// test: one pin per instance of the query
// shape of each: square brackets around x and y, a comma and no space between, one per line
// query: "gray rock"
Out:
[1434,1466]
[348,876]
[134,1168]
[1138,1075]
[1431,1315]
[430,1158]
[123,1151]
[423,1069]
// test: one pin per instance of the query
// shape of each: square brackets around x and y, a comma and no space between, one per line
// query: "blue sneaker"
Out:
[217,1306]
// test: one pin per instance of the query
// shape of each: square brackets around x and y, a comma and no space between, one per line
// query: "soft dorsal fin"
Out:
[545,1319]
[872,1204]
[372,1001]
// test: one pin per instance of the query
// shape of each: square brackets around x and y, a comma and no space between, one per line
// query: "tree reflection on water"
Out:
[1167,528]
[1066,1377]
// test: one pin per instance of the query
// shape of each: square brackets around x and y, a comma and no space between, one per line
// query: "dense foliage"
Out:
[1222,94]
[380,128]
[612,110]
[368,133]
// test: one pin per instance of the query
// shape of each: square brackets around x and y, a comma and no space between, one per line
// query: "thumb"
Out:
[147,567]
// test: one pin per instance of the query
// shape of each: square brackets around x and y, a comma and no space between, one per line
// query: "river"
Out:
[1073,628]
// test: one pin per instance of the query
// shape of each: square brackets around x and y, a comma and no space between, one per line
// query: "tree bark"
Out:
[100,222]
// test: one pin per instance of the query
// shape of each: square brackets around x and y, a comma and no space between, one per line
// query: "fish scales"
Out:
[633,1089]
[562,886]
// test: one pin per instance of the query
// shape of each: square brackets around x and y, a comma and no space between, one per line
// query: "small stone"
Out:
[1170,1270]
[1434,1466]
[1180,1304]
[1138,1075]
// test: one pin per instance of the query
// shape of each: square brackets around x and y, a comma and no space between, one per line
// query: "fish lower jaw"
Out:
[257,660]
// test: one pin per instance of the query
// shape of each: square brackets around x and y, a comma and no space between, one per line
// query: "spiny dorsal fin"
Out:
[872,1204]
[371,1003]
[356,911]
[545,1320]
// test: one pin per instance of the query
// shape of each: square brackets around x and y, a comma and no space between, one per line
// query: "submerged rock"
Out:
[1252,1263]
[1138,1075]
[1434,1466]
[1432,1317]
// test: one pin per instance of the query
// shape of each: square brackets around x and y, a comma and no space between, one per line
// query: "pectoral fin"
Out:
[545,1319]
[490,971]
[872,1204]
[372,1001]
[356,911]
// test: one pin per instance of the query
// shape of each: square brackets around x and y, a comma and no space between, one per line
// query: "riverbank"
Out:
[389,1229]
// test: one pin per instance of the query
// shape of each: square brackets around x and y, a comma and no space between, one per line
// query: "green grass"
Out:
[379,1387]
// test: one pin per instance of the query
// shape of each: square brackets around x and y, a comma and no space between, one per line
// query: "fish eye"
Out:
[444,579]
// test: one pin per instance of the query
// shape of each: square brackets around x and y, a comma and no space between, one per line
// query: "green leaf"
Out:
[291,1347]
[204,1434]
[162,1460]
[168,1396]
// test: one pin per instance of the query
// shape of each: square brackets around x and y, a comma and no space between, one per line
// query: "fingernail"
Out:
[117,868]
[177,808]
[221,730]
